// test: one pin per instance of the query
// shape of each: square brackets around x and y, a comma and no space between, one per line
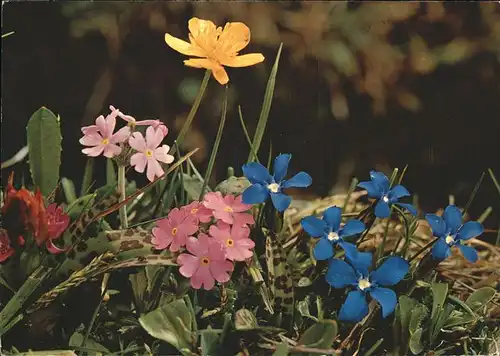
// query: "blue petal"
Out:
[340,274]
[373,189]
[441,250]
[323,250]
[313,226]
[351,252]
[382,209]
[469,230]
[398,191]
[281,201]
[256,173]
[354,308]
[437,224]
[391,272]
[386,298]
[300,180]
[408,207]
[469,253]
[361,262]
[255,194]
[381,180]
[333,216]
[453,218]
[352,227]
[281,166]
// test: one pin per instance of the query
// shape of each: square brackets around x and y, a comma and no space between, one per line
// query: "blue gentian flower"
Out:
[451,232]
[265,184]
[341,274]
[331,233]
[379,188]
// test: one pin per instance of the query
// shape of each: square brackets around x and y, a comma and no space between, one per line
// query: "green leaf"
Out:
[303,309]
[281,350]
[266,107]
[439,293]
[87,176]
[171,323]
[111,178]
[18,157]
[416,345]
[480,298]
[213,155]
[418,314]
[209,341]
[233,185]
[244,319]
[77,339]
[44,144]
[69,190]
[320,335]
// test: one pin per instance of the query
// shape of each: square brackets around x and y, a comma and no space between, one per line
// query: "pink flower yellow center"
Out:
[149,153]
[105,141]
[194,211]
[229,243]
[205,261]
[174,231]
[228,209]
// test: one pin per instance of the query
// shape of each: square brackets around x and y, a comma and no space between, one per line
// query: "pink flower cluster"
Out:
[221,224]
[101,139]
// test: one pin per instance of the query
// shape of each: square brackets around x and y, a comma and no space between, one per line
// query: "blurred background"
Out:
[359,86]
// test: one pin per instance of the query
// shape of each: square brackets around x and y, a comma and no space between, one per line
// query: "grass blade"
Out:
[213,155]
[266,107]
[87,176]
[473,195]
[110,172]
[18,157]
[247,136]
[494,179]
[69,190]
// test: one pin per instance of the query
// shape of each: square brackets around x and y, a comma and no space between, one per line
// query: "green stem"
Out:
[121,187]
[193,110]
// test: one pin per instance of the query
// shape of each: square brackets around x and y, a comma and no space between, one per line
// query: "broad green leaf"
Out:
[320,335]
[76,340]
[266,107]
[209,341]
[418,314]
[233,185]
[480,298]
[44,145]
[439,293]
[281,350]
[416,345]
[171,323]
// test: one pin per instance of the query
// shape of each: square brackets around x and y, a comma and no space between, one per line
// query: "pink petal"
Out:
[121,135]
[164,224]
[204,214]
[176,216]
[178,242]
[111,150]
[189,264]
[189,225]
[91,139]
[225,216]
[138,160]
[239,232]
[90,129]
[110,124]
[53,248]
[6,253]
[161,154]
[219,270]
[154,169]
[136,141]
[238,206]
[243,219]
[153,137]
[161,239]
[198,246]
[101,124]
[214,201]
[93,151]
[216,250]
[203,276]
[51,209]
[245,243]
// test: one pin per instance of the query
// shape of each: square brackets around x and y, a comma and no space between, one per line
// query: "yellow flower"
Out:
[217,47]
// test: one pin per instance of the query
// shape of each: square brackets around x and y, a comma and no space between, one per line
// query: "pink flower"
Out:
[199,211]
[57,223]
[149,153]
[6,249]
[100,136]
[133,122]
[229,209]
[235,239]
[174,230]
[206,264]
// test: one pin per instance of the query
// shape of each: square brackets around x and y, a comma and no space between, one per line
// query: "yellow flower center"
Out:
[228,209]
[229,243]
[364,283]
[385,198]
[105,141]
[449,240]
[333,236]
[174,231]
[194,211]
[273,187]
[149,153]
[205,261]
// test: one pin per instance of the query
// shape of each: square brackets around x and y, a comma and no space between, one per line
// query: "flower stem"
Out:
[121,188]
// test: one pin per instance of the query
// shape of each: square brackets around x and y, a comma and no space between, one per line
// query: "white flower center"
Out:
[385,198]
[449,240]
[333,236]
[364,283]
[273,187]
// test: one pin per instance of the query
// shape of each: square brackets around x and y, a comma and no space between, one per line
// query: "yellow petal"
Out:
[218,71]
[183,47]
[204,33]
[234,37]
[244,60]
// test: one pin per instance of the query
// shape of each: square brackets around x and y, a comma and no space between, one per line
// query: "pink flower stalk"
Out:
[6,249]
[206,262]
[229,209]
[199,211]
[235,239]
[149,153]
[57,223]
[174,230]
[100,136]
[133,122]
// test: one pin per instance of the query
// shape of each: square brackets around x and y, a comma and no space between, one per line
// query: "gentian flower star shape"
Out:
[451,232]
[331,233]
[265,184]
[341,274]
[379,188]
